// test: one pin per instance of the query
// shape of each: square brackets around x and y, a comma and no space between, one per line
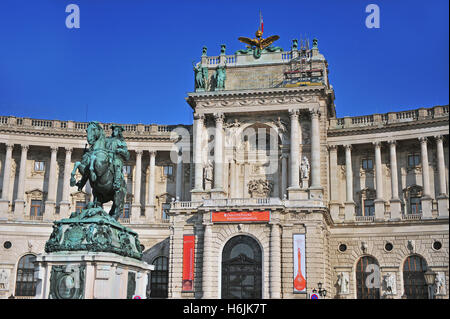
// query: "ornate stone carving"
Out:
[440,287]
[260,188]
[4,279]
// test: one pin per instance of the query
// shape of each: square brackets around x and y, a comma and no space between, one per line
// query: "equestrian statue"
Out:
[102,165]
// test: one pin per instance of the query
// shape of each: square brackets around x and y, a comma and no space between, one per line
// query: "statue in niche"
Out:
[389,281]
[4,278]
[304,171]
[343,283]
[440,284]
[208,175]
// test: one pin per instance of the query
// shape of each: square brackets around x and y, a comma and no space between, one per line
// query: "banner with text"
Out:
[239,217]
[299,263]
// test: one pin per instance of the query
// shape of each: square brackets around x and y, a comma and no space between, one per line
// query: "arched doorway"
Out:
[368,279]
[25,279]
[241,269]
[414,282]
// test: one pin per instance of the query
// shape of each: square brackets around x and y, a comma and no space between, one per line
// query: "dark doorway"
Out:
[241,269]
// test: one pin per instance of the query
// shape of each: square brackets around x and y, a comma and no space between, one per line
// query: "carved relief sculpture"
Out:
[260,188]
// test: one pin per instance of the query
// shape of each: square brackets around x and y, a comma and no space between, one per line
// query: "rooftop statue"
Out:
[201,77]
[259,44]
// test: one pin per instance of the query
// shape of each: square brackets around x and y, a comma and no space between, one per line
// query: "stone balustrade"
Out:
[71,126]
[389,118]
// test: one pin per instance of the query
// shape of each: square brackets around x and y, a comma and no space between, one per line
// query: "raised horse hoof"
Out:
[93,176]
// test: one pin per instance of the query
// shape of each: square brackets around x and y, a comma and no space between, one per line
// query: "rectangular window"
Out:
[413,160]
[80,206]
[168,170]
[369,207]
[416,205]
[367,164]
[39,166]
[126,210]
[165,210]
[36,208]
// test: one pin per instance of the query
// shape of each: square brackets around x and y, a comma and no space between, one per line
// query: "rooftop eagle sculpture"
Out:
[258,44]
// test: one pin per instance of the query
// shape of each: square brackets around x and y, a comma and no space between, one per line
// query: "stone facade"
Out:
[373,180]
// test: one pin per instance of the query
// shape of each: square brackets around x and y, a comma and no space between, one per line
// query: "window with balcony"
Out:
[39,166]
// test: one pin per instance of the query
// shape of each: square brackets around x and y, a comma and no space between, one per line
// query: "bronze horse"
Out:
[96,166]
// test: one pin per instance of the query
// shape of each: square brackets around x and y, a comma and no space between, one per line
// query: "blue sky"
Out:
[131,60]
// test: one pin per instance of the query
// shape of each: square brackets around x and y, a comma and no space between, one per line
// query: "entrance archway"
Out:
[241,268]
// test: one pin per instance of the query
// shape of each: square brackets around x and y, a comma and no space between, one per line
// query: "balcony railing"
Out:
[389,118]
[412,216]
[367,219]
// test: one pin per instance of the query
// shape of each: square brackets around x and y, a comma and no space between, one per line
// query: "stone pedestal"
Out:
[296,193]
[349,211]
[198,195]
[396,209]
[427,206]
[90,275]
[4,209]
[315,193]
[19,209]
[334,211]
[217,193]
[442,206]
[379,209]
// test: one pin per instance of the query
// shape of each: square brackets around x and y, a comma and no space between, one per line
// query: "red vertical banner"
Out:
[188,262]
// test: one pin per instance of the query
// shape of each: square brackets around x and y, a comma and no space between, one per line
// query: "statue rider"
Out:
[118,147]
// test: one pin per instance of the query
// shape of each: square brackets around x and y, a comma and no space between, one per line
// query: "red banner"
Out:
[188,262]
[238,217]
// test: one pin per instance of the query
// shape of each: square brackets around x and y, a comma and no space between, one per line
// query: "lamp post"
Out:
[321,292]
[430,277]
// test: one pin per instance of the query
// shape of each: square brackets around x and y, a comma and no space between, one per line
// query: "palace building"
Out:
[267,195]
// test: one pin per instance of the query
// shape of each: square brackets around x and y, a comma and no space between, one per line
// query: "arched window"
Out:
[368,279]
[25,280]
[414,278]
[160,278]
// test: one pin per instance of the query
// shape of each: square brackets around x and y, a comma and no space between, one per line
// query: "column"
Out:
[19,203]
[179,177]
[136,207]
[284,177]
[50,203]
[275,261]
[198,177]
[218,153]
[150,205]
[315,150]
[379,202]
[334,183]
[426,197]
[442,199]
[349,204]
[4,202]
[207,266]
[295,168]
[64,205]
[395,200]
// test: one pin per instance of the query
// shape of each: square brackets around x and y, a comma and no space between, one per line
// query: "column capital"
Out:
[392,142]
[9,145]
[200,117]
[439,138]
[25,147]
[377,144]
[139,152]
[219,117]
[294,112]
[314,113]
[152,152]
[347,146]
[423,139]
[332,147]
[54,149]
[68,149]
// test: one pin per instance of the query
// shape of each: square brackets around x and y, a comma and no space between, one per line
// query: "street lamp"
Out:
[430,277]
[321,292]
